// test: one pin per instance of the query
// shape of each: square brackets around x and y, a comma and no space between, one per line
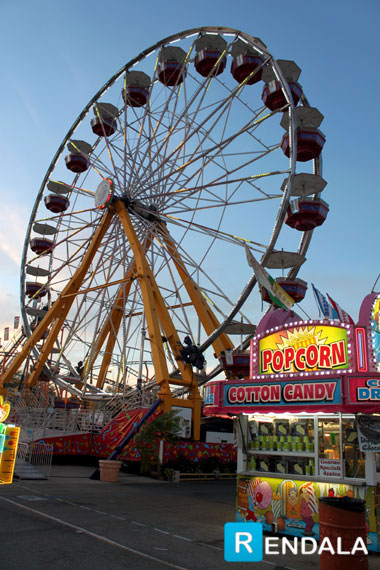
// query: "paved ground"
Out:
[73,523]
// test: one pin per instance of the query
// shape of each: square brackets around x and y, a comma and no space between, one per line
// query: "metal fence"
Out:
[22,452]
[33,457]
[41,455]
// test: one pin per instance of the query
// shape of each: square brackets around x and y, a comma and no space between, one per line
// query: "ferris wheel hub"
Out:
[141,210]
[104,193]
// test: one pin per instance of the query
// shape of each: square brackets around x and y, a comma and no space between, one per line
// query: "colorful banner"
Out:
[293,506]
[16,322]
[324,306]
[277,294]
[198,451]
[6,333]
[275,394]
[303,349]
[342,315]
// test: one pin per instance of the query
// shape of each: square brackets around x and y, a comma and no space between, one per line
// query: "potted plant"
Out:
[165,427]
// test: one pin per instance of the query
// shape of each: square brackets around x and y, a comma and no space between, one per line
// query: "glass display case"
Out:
[305,446]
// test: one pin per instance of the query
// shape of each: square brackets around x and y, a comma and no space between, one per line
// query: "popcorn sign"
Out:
[303,349]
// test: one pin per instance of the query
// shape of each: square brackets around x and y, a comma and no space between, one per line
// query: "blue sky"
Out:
[56,55]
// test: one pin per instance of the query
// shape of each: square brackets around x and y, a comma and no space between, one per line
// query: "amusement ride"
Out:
[134,277]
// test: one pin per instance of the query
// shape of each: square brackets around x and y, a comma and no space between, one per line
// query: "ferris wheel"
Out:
[200,145]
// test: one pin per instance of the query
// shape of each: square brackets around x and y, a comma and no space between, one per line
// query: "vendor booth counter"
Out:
[307,421]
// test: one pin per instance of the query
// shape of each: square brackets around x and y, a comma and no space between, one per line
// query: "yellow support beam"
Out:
[209,321]
[57,312]
[111,329]
[147,282]
[157,314]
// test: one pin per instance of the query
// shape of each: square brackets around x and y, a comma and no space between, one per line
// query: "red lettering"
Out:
[338,353]
[232,395]
[298,392]
[266,358]
[248,393]
[275,393]
[319,392]
[240,395]
[256,391]
[311,355]
[289,354]
[324,356]
[288,392]
[308,391]
[278,361]
[330,390]
[265,393]
[300,359]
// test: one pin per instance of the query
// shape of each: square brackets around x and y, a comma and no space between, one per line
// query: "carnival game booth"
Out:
[308,420]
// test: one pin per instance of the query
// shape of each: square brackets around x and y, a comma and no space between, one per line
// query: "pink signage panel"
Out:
[364,390]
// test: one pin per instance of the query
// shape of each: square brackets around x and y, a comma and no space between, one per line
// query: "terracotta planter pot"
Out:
[109,470]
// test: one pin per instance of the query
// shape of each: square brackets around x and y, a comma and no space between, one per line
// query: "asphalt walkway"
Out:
[71,522]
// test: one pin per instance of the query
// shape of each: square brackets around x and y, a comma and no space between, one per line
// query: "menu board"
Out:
[369,432]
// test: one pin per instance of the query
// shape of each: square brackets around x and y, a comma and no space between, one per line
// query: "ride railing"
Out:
[140,398]
[22,451]
[45,422]
[39,455]
[23,399]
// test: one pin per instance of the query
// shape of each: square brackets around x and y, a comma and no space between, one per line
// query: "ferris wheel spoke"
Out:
[152,137]
[217,148]
[128,150]
[200,228]
[207,134]
[220,107]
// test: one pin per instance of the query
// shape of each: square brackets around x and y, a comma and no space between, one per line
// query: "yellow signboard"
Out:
[304,349]
[8,445]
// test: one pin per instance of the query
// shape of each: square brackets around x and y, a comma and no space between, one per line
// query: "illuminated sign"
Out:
[375,332]
[284,393]
[304,349]
[364,390]
[8,445]
[361,350]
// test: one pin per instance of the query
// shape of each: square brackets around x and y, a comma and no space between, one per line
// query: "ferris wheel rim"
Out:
[285,199]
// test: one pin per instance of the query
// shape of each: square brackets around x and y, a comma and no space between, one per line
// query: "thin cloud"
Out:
[13,223]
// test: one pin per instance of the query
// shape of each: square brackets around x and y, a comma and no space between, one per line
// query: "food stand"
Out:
[297,426]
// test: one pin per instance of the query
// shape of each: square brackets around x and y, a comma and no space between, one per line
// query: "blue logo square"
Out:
[243,542]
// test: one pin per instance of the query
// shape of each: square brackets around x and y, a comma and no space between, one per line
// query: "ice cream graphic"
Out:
[260,496]
[290,505]
[309,506]
[263,495]
[276,504]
